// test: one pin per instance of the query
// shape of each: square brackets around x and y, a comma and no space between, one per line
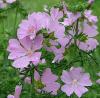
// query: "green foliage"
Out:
[8,24]
[76,5]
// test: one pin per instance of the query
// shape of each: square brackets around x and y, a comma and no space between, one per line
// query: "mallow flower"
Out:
[90,17]
[71,18]
[55,25]
[58,52]
[17,93]
[75,81]
[25,51]
[31,26]
[90,32]
[48,79]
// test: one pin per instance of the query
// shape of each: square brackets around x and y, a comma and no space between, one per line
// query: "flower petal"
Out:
[68,89]
[85,80]
[10,96]
[21,62]
[80,90]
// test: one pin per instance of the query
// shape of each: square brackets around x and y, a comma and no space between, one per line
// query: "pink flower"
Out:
[31,26]
[55,26]
[90,17]
[10,1]
[25,51]
[48,79]
[91,43]
[65,41]
[56,14]
[58,52]
[17,93]
[71,18]
[98,81]
[75,81]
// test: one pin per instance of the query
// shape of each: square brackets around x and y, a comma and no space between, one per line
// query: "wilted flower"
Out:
[25,51]
[17,93]
[75,81]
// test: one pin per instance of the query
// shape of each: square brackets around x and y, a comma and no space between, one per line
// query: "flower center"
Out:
[74,81]
[29,52]
[31,29]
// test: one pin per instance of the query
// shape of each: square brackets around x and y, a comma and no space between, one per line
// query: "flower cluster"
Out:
[55,31]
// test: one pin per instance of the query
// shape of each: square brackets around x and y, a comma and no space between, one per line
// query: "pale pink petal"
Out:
[37,44]
[26,43]
[10,96]
[23,28]
[66,78]
[64,41]
[35,58]
[52,88]
[58,58]
[14,46]
[56,14]
[10,1]
[48,76]
[85,80]
[59,31]
[27,80]
[80,90]
[76,73]
[15,55]
[90,44]
[36,75]
[22,62]
[68,89]
[89,30]
[18,90]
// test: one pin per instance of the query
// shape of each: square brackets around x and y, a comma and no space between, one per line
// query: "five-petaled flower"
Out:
[25,51]
[75,81]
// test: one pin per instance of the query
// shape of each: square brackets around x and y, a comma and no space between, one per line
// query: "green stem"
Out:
[17,6]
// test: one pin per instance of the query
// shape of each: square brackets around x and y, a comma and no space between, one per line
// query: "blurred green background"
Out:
[9,21]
